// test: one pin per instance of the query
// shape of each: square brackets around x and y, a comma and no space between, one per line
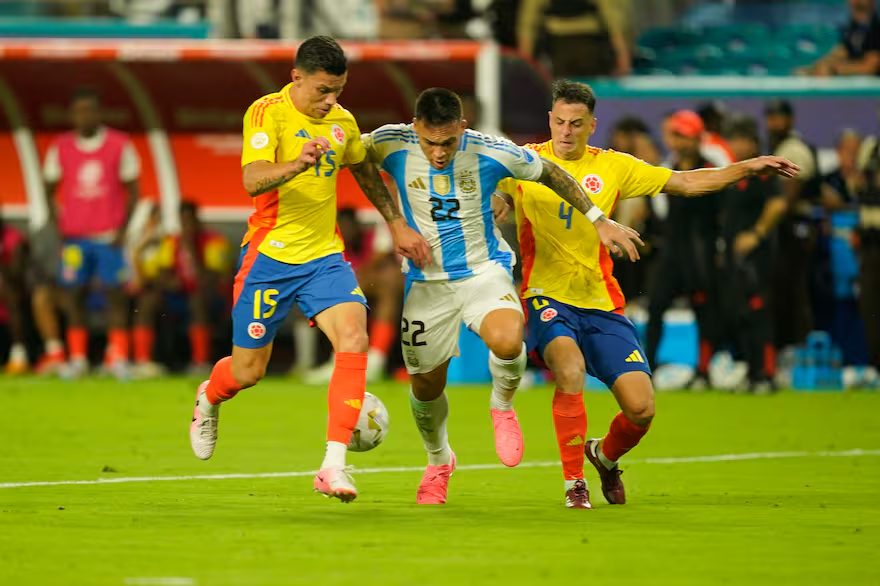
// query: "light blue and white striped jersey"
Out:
[452,207]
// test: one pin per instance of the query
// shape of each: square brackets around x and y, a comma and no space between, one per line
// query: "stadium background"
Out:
[97,484]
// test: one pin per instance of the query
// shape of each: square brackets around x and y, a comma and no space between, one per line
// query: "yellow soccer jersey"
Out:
[562,257]
[297,223]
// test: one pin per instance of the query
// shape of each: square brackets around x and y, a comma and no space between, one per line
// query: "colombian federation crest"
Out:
[441,184]
[337,133]
[548,314]
[256,330]
[593,183]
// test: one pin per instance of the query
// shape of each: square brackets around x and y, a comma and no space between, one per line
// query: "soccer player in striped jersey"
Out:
[295,141]
[575,306]
[446,176]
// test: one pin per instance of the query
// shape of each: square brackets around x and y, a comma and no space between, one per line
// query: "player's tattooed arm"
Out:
[262,176]
[407,241]
[565,186]
[367,176]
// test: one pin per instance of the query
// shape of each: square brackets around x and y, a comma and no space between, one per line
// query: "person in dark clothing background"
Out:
[686,263]
[858,52]
[869,248]
[791,295]
[749,212]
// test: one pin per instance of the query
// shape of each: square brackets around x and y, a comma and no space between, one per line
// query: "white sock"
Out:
[18,353]
[506,375]
[306,342]
[53,346]
[597,451]
[334,457]
[206,408]
[376,359]
[430,419]
[569,484]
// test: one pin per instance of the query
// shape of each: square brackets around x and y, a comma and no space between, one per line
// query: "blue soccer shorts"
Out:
[608,341]
[266,289]
[82,260]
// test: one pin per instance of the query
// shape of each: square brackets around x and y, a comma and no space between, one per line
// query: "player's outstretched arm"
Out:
[617,238]
[262,176]
[407,241]
[705,181]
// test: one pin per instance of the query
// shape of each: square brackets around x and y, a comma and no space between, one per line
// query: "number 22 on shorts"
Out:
[265,299]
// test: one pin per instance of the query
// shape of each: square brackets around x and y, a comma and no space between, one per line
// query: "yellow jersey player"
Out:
[574,304]
[295,142]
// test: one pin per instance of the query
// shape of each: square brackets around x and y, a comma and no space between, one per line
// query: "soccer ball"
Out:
[371,427]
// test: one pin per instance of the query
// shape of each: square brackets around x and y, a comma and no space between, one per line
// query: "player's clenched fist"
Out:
[312,151]
[619,239]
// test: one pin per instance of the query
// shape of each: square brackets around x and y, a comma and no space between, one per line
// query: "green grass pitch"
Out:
[796,503]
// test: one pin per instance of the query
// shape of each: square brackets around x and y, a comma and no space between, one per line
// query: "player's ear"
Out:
[295,75]
[593,125]
[463,123]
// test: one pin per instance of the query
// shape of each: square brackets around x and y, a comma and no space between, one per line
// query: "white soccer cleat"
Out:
[203,429]
[320,375]
[336,482]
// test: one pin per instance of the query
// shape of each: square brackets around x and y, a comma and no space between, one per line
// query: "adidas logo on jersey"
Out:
[636,356]
[357,291]
[575,441]
[418,183]
[509,297]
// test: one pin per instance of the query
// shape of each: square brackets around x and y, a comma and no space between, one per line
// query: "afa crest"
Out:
[467,183]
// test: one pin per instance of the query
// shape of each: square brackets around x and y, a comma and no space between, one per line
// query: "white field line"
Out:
[854,453]
[159,581]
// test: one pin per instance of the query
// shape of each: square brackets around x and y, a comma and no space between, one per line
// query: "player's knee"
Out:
[504,340]
[640,412]
[352,338]
[570,377]
[249,373]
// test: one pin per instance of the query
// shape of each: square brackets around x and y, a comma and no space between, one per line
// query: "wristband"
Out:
[594,213]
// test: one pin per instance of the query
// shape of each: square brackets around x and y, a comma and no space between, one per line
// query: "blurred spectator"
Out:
[146,289]
[686,259]
[147,11]
[842,186]
[193,266]
[409,19]
[369,250]
[583,37]
[715,147]
[869,248]
[43,269]
[858,52]
[749,214]
[502,16]
[631,135]
[95,170]
[790,293]
[13,259]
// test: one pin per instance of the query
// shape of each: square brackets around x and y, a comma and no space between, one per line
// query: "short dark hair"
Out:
[85,93]
[574,92]
[188,207]
[438,106]
[321,53]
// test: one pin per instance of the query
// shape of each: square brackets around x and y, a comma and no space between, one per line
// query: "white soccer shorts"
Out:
[434,310]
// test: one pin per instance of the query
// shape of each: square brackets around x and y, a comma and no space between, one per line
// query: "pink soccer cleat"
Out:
[336,482]
[203,430]
[435,483]
[508,437]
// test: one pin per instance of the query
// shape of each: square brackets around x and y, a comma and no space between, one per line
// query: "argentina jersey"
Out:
[452,207]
